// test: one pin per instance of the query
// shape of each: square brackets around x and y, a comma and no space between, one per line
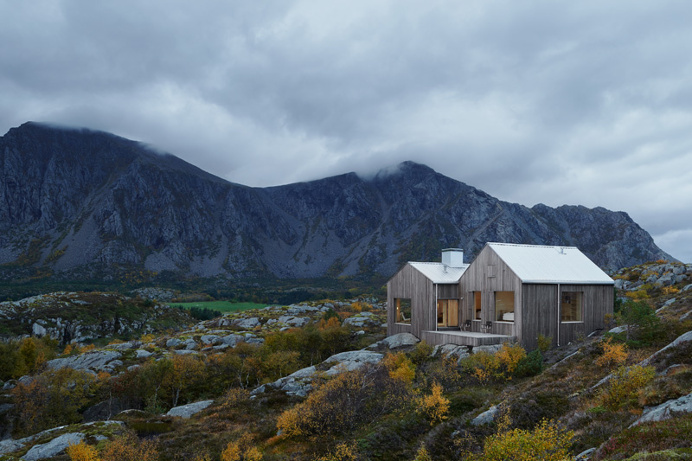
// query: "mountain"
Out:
[81,203]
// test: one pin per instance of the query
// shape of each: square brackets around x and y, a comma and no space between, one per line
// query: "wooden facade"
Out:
[509,307]
[411,284]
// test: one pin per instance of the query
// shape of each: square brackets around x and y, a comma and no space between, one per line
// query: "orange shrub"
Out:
[614,354]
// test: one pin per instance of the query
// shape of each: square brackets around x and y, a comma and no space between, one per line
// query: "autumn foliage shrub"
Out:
[546,442]
[434,405]
[345,401]
[622,390]
[499,366]
[614,354]
[82,452]
[242,449]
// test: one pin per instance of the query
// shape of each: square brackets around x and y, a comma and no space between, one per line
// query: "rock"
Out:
[11,384]
[190,344]
[93,360]
[451,350]
[38,330]
[8,446]
[143,353]
[255,340]
[687,287]
[491,349]
[360,320]
[248,324]
[184,352]
[352,360]
[173,342]
[685,316]
[620,329]
[185,411]
[54,447]
[396,341]
[125,346]
[666,410]
[486,417]
[585,455]
[210,340]
[232,340]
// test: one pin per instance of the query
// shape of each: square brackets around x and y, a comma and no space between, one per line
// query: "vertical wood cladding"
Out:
[488,274]
[410,283]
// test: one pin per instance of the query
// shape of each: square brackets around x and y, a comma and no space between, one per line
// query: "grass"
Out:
[223,306]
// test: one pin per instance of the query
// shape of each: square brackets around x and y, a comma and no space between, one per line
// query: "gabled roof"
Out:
[438,272]
[550,264]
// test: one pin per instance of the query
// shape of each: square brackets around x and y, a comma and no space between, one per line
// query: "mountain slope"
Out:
[80,202]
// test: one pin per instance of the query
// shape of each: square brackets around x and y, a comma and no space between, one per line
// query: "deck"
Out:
[465,338]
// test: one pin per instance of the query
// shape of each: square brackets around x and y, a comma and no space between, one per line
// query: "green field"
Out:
[223,306]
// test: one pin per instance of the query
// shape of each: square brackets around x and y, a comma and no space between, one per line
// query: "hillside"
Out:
[80,204]
[317,381]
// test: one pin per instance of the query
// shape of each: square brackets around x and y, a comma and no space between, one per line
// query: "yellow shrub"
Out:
[544,342]
[639,294]
[613,354]
[82,452]
[435,406]
[501,365]
[343,452]
[241,450]
[547,443]
[128,447]
[670,290]
[400,367]
[623,388]
[422,454]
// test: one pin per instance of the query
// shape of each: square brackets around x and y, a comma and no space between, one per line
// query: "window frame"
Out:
[398,310]
[513,311]
[579,300]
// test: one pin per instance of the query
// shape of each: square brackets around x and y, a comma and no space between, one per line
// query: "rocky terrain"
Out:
[79,204]
[306,348]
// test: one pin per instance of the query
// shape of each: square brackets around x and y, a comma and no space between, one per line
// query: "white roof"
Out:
[438,272]
[550,264]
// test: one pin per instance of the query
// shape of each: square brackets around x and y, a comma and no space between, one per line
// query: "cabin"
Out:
[510,292]
[425,296]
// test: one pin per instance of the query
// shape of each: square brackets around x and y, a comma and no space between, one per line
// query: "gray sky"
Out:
[586,102]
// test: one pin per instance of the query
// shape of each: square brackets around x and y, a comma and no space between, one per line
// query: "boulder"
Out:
[232,340]
[54,447]
[395,341]
[185,411]
[451,350]
[486,417]
[247,324]
[173,342]
[685,316]
[93,360]
[687,287]
[143,353]
[585,455]
[620,329]
[666,410]
[491,349]
[8,446]
[352,360]
[210,340]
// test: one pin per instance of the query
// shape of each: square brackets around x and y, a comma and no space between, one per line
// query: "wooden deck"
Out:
[465,338]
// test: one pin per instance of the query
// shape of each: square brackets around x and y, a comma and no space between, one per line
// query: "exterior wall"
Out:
[541,310]
[410,283]
[477,278]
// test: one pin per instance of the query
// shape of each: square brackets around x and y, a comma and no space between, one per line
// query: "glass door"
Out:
[447,312]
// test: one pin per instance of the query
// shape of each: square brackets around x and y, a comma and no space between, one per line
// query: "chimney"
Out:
[453,257]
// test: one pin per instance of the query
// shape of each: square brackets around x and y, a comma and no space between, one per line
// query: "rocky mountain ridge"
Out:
[80,203]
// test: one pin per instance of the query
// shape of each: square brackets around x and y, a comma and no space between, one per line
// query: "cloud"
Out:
[539,101]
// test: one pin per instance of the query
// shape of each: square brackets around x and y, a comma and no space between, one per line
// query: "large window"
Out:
[571,306]
[448,312]
[403,310]
[504,306]
[477,305]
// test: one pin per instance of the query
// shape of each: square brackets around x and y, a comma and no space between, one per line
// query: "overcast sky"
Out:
[575,102]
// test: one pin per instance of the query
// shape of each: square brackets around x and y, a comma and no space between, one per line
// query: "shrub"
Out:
[128,447]
[500,366]
[642,322]
[242,449]
[547,442]
[531,365]
[82,452]
[400,367]
[342,452]
[345,401]
[435,406]
[544,342]
[614,354]
[649,437]
[623,388]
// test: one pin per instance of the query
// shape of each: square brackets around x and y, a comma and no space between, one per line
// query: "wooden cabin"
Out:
[510,292]
[425,295]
